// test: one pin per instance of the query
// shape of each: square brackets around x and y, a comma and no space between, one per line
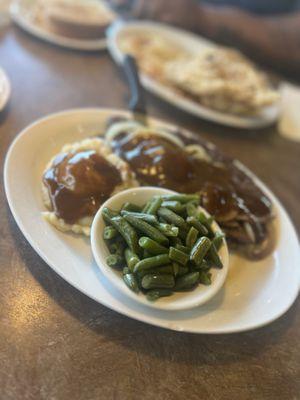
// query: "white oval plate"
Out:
[255,293]
[178,301]
[4,89]
[20,13]
[193,43]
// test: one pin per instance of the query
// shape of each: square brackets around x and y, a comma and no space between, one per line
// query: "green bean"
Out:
[175,267]
[183,198]
[155,294]
[167,244]
[183,233]
[214,256]
[175,206]
[126,270]
[116,248]
[147,229]
[187,281]
[152,246]
[151,262]
[146,254]
[204,266]
[197,225]
[131,207]
[171,217]
[175,240]
[131,282]
[184,249]
[115,261]
[199,250]
[178,256]
[146,206]
[121,225]
[109,233]
[182,270]
[151,219]
[127,231]
[167,229]
[205,278]
[108,214]
[162,270]
[218,240]
[191,209]
[158,281]
[162,221]
[179,270]
[205,220]
[191,237]
[131,259]
[154,205]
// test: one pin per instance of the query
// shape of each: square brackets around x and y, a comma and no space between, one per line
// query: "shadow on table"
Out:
[141,338]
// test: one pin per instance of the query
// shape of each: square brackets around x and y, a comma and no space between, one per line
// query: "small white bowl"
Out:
[179,300]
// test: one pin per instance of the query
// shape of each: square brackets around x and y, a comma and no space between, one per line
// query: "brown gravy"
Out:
[78,183]
[226,190]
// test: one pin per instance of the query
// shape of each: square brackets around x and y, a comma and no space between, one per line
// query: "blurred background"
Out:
[58,344]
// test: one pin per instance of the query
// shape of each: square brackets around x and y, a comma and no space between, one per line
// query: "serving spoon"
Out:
[137,102]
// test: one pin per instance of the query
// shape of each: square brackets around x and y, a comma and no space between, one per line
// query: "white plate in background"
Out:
[193,43]
[21,13]
[254,294]
[4,89]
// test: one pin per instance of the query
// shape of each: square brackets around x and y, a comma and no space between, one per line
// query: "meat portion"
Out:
[227,192]
[78,183]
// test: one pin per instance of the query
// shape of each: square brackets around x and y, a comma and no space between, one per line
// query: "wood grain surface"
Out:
[57,344]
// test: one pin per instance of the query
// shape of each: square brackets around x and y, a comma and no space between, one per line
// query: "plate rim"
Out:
[52,38]
[171,96]
[144,319]
[7,89]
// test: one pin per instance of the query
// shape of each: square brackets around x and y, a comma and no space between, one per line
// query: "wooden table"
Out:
[57,344]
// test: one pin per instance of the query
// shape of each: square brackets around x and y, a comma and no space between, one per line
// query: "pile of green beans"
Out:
[167,245]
